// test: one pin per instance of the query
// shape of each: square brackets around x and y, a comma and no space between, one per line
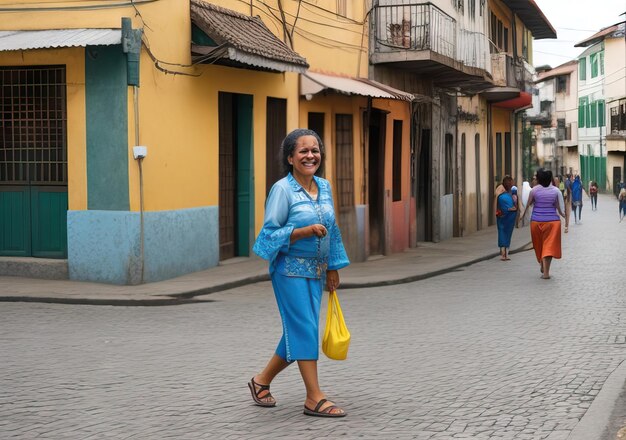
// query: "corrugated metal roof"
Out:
[313,82]
[242,40]
[615,30]
[51,38]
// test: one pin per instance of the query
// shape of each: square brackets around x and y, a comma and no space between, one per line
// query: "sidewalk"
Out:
[427,260]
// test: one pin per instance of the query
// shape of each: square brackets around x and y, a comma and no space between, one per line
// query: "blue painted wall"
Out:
[103,246]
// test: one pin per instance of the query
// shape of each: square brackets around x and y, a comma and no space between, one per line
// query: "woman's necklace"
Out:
[310,186]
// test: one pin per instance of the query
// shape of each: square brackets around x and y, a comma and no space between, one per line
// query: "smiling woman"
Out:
[303,245]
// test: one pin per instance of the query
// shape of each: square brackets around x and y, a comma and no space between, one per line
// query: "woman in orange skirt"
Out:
[545,222]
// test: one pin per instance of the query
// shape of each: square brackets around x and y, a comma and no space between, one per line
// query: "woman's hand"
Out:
[318,230]
[315,230]
[332,280]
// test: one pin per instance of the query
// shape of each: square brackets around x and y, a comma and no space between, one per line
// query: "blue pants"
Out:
[299,301]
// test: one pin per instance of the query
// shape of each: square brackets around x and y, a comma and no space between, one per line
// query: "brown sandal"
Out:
[326,412]
[255,394]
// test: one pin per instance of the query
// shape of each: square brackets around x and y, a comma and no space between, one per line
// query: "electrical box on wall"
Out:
[140,151]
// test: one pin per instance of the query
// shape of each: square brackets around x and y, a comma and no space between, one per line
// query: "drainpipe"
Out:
[131,46]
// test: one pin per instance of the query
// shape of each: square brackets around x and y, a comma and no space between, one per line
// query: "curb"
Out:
[435,273]
[596,420]
[186,297]
[162,301]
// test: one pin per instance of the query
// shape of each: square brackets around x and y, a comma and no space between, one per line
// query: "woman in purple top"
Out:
[545,223]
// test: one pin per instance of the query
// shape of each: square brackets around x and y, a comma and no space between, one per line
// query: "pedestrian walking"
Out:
[622,202]
[545,224]
[577,198]
[567,199]
[506,214]
[593,195]
[302,242]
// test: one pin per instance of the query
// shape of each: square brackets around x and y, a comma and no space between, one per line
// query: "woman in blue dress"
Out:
[302,243]
[505,216]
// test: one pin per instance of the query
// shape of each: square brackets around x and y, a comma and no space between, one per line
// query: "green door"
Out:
[15,221]
[33,162]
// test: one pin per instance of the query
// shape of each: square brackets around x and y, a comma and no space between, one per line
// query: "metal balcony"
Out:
[421,38]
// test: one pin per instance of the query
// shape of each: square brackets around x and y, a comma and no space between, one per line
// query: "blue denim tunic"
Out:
[298,269]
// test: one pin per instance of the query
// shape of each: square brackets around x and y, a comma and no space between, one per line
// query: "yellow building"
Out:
[82,86]
[207,93]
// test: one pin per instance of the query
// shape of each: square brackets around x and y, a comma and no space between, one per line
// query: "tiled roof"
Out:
[243,39]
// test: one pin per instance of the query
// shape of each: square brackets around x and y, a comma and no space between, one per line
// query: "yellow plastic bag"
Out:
[336,335]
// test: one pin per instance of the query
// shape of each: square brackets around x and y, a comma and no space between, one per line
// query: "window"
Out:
[602,63]
[561,84]
[582,105]
[345,160]
[593,60]
[316,123]
[449,176]
[499,175]
[275,131]
[500,34]
[601,116]
[618,117]
[33,125]
[593,112]
[582,69]
[588,115]
[472,9]
[397,160]
[560,130]
[505,45]
[545,106]
[508,158]
[581,112]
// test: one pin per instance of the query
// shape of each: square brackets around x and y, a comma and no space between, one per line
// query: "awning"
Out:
[497,94]
[532,16]
[232,39]
[52,38]
[312,83]
[523,101]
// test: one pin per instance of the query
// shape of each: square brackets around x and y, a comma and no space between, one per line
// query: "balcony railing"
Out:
[419,26]
[473,49]
[503,70]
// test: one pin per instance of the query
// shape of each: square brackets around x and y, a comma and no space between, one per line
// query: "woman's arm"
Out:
[560,207]
[315,230]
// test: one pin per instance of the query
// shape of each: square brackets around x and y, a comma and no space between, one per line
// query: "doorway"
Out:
[424,188]
[33,162]
[236,194]
[376,181]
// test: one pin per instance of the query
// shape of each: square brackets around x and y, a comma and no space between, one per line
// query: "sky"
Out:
[574,21]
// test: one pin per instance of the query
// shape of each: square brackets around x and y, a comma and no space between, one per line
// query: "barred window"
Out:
[33,125]
[345,160]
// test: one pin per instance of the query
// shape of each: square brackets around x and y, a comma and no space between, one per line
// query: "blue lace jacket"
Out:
[289,206]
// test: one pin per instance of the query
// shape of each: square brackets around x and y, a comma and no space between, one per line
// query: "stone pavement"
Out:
[488,351]
[428,259]
[485,352]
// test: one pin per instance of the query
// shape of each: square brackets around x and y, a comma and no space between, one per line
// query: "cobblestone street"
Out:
[487,352]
